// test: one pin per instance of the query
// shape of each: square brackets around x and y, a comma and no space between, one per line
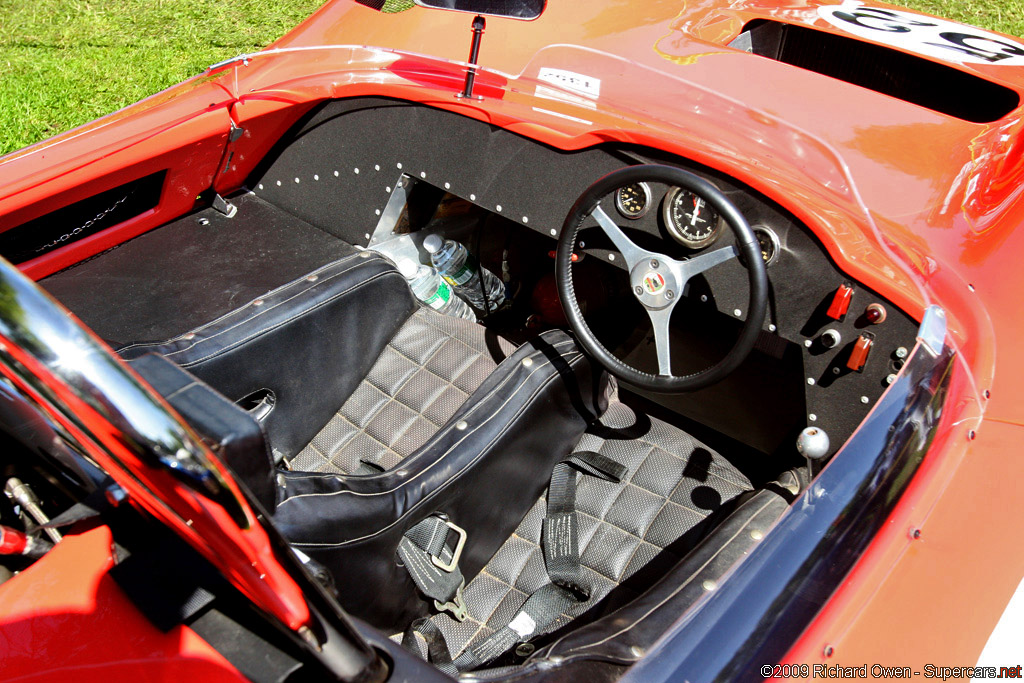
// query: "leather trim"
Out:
[316,336]
[521,421]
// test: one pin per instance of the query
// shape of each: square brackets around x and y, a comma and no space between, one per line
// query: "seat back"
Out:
[308,343]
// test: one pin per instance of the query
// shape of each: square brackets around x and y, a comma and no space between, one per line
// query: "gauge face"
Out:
[634,200]
[769,244]
[690,219]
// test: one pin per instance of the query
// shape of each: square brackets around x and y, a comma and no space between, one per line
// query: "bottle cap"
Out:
[432,243]
[407,268]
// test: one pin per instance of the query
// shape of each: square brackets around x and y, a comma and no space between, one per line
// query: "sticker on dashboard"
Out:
[945,40]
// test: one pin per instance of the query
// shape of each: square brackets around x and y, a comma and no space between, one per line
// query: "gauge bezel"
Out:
[773,238]
[677,231]
[648,198]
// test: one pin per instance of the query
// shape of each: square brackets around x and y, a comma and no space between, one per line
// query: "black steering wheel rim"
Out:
[746,244]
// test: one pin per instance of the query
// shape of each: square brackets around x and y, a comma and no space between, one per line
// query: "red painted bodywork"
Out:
[942,226]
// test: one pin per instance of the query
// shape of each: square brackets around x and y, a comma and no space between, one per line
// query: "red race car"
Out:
[655,341]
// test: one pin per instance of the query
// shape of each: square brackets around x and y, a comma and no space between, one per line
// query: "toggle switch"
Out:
[859,353]
[840,302]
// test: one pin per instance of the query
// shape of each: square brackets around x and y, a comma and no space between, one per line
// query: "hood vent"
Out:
[904,76]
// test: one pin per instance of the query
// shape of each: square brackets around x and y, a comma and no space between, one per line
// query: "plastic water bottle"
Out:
[459,269]
[429,288]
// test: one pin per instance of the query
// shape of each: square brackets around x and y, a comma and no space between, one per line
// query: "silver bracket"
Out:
[224,206]
[457,605]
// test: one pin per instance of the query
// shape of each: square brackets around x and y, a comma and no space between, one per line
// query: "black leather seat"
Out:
[361,377]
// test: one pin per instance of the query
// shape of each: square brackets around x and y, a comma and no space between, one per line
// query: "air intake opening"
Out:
[904,76]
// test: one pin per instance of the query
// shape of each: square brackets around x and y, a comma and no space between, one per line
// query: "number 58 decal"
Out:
[938,38]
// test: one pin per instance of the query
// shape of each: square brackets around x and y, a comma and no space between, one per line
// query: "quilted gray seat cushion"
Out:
[424,375]
[629,533]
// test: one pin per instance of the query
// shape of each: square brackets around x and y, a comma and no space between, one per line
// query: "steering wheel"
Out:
[657,281]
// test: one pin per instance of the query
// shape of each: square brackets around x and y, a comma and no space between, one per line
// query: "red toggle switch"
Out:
[860,351]
[840,302]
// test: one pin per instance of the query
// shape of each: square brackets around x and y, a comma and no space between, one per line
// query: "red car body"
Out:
[921,207]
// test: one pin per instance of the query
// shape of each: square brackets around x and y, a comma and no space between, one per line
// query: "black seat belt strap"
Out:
[434,565]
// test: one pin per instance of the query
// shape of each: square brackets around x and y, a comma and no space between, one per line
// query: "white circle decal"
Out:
[945,40]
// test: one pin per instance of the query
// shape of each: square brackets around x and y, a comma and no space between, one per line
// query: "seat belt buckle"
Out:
[457,605]
[456,554]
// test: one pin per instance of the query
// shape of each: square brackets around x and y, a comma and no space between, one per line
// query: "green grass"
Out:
[67,62]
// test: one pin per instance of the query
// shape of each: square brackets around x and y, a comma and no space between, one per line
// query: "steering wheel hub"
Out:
[654,284]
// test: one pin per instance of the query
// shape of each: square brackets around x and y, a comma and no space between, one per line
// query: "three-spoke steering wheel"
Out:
[657,281]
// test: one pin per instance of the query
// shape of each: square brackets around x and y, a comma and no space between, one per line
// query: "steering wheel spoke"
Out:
[630,252]
[698,264]
[659,321]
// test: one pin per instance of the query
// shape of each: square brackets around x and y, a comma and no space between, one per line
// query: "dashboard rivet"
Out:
[336,174]
[637,651]
[316,177]
[203,221]
[611,257]
[527,362]
[447,186]
[772,328]
[756,535]
[498,208]
[366,235]
[312,278]
[865,400]
[261,186]
[709,585]
[812,417]
[890,378]
[279,183]
[461,425]
[258,302]
[297,181]
[901,352]
[553,232]
[376,167]
[526,219]
[704,298]
[356,171]
[810,380]
[737,312]
[472,197]
[388,189]
[836,370]
[423,174]
[808,343]
[398,165]
[377,211]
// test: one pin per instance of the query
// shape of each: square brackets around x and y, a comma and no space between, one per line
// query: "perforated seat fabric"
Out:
[423,376]
[630,533]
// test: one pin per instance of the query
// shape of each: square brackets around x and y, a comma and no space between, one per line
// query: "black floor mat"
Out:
[179,276]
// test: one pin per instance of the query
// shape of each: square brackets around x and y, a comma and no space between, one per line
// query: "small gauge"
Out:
[634,200]
[768,241]
[690,218]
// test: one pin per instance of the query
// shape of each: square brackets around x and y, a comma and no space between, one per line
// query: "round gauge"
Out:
[632,201]
[690,219]
[768,242]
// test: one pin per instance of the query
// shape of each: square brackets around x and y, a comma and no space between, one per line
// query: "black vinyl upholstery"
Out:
[310,342]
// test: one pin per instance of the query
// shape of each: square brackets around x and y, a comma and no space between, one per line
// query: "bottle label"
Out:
[439,298]
[461,276]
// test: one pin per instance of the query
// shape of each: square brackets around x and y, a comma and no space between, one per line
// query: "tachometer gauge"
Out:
[690,219]
[634,200]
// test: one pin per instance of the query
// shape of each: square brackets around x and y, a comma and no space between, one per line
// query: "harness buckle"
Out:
[456,554]
[457,606]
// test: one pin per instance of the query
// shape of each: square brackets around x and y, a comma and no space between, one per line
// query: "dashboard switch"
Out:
[840,302]
[860,351]
[875,313]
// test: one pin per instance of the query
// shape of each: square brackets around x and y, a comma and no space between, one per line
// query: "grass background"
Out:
[66,62]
